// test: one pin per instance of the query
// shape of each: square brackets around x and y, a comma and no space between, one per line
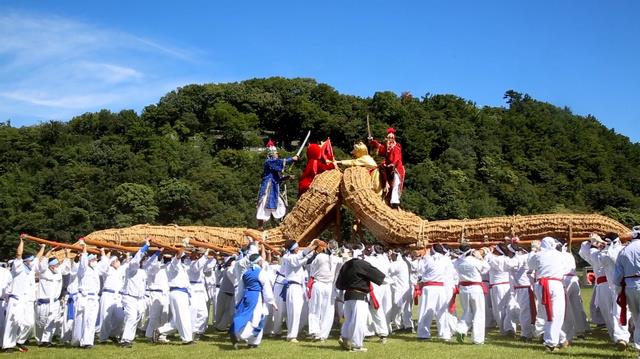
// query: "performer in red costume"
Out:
[317,157]
[391,169]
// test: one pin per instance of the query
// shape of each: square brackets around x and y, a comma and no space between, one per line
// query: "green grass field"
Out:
[399,346]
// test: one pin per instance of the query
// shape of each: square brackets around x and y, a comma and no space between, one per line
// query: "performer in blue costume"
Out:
[270,202]
[251,311]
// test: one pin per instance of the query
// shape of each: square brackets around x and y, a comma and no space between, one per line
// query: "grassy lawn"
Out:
[399,346]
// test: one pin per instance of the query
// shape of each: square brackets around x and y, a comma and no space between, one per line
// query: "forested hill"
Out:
[188,158]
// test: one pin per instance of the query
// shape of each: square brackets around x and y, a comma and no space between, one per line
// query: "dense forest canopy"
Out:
[192,158]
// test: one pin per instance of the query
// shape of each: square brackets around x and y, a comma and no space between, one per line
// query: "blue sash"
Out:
[71,308]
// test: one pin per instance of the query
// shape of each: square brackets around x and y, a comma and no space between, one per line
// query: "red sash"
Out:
[602,279]
[532,302]
[485,287]
[452,302]
[374,300]
[546,296]
[417,289]
[622,299]
[310,286]
[417,292]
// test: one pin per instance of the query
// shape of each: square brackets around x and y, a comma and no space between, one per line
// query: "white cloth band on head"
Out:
[466,253]
[510,248]
[499,250]
[293,247]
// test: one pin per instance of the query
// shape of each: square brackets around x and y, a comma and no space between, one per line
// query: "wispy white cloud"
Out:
[54,68]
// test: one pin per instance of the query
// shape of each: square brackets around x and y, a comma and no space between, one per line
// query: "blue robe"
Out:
[250,302]
[271,179]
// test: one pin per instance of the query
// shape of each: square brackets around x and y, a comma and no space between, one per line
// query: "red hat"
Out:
[271,147]
[391,130]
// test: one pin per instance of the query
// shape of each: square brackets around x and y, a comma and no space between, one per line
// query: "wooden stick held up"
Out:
[57,244]
[197,243]
[256,236]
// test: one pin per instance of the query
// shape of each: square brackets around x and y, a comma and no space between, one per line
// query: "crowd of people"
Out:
[371,291]
[366,290]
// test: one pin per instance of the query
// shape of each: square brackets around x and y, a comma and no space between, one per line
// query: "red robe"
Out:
[316,164]
[392,156]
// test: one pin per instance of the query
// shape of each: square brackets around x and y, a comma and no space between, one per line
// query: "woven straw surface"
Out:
[315,209]
[306,219]
[400,227]
[303,222]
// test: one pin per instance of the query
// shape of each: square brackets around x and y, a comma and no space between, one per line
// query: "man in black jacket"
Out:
[355,279]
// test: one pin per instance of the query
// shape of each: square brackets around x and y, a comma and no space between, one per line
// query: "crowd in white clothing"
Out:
[528,293]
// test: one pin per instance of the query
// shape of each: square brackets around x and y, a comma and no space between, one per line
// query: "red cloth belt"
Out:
[452,302]
[417,289]
[310,286]
[601,279]
[495,284]
[532,302]
[466,283]
[622,299]
[417,292]
[546,295]
[374,300]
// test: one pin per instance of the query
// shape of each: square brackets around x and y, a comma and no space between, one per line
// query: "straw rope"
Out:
[315,210]
[303,223]
[400,227]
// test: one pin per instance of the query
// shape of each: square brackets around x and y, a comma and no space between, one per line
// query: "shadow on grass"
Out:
[335,348]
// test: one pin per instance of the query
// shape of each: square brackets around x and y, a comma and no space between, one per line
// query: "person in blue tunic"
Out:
[251,310]
[270,202]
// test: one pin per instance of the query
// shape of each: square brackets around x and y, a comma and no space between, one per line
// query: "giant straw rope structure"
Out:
[316,209]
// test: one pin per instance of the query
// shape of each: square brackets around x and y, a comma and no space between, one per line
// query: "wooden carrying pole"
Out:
[58,244]
[113,246]
[197,243]
[168,248]
[258,238]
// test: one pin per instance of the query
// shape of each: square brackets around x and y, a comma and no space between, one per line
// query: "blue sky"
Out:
[62,58]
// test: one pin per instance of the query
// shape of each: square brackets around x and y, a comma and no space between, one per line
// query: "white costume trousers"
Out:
[524,304]
[84,328]
[48,320]
[278,317]
[574,301]
[633,301]
[158,312]
[321,309]
[395,190]
[111,316]
[553,334]
[355,322]
[180,316]
[500,297]
[19,322]
[295,302]
[379,323]
[133,311]
[400,313]
[434,303]
[473,313]
[199,312]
